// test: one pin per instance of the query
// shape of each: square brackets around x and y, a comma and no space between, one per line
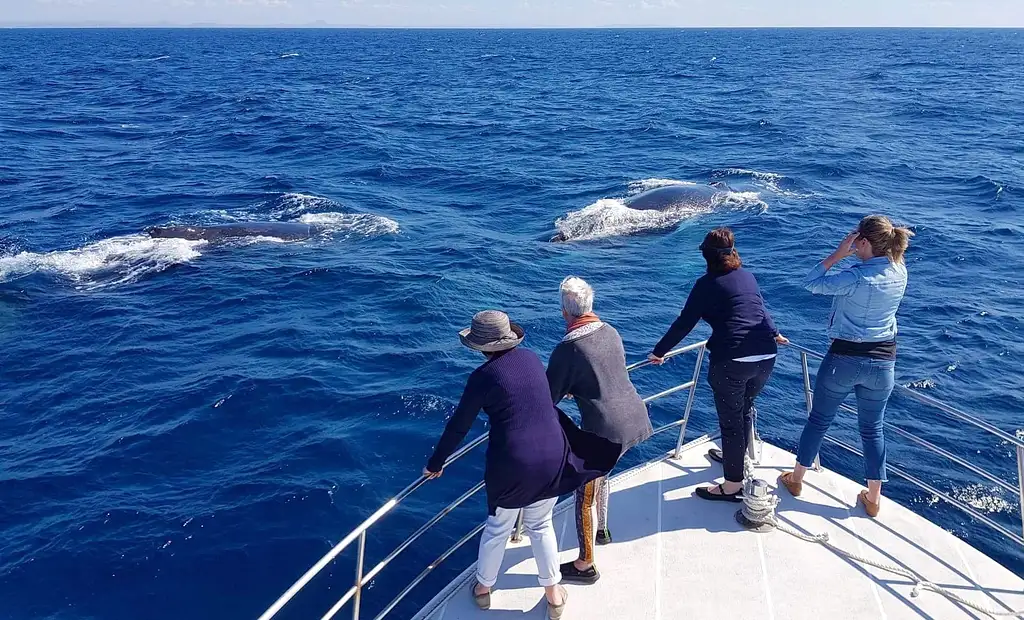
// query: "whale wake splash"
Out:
[125,259]
[103,263]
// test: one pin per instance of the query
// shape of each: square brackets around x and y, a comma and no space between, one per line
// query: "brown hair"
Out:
[719,250]
[885,238]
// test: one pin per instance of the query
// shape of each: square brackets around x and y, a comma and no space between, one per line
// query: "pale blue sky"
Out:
[468,13]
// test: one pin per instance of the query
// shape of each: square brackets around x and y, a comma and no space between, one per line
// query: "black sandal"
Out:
[721,496]
[571,574]
[714,454]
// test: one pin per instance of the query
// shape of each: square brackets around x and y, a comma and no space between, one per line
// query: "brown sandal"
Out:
[555,611]
[869,507]
[483,601]
[794,488]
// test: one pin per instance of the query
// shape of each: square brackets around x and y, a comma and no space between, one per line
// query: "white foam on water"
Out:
[644,185]
[610,217]
[284,207]
[244,241]
[1012,452]
[767,177]
[104,263]
[739,200]
[366,224]
[423,405]
[324,213]
[294,204]
[985,499]
[770,180]
[291,55]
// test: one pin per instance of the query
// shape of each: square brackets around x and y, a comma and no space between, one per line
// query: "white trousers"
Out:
[538,527]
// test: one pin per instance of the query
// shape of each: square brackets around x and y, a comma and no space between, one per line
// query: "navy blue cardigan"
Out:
[534,451]
[732,305]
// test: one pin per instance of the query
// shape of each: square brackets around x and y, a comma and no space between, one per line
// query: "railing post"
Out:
[754,445]
[517,532]
[809,400]
[689,401]
[359,576]
[1020,483]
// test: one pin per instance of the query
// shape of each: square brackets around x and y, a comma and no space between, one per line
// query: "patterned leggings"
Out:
[595,491]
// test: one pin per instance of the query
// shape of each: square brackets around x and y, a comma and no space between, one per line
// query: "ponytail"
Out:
[900,242]
[885,238]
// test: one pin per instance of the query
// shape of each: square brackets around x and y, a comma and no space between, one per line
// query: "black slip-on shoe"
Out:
[714,454]
[721,496]
[604,537]
[571,574]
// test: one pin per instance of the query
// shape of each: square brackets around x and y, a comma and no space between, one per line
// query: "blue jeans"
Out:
[872,380]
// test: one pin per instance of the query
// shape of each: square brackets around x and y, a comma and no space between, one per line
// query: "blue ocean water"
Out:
[186,427]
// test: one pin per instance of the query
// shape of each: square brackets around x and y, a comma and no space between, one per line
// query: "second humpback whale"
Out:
[291,231]
[657,208]
[683,194]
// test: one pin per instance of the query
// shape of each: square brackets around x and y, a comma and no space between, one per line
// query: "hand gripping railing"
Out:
[953,412]
[358,535]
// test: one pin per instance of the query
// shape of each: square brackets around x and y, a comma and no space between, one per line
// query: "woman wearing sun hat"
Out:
[534,454]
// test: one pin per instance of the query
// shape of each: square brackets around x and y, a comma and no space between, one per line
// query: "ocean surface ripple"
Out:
[185,426]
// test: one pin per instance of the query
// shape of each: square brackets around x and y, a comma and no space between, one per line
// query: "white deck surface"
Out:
[677,556]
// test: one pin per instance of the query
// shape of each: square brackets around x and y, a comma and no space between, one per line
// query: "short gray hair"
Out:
[577,296]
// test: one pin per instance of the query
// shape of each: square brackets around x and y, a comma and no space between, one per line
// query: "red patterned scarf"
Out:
[580,321]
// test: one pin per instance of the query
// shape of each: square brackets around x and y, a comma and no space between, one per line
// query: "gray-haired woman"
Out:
[590,364]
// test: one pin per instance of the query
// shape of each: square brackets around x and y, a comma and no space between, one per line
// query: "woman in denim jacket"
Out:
[862,357]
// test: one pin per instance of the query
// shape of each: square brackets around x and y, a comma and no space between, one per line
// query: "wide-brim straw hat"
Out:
[492,332]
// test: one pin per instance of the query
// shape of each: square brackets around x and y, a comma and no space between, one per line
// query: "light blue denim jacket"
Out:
[866,298]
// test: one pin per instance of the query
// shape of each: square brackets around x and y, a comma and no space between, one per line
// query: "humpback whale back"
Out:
[660,207]
[669,196]
[280,230]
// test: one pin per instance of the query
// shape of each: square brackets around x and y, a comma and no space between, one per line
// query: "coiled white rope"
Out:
[759,509]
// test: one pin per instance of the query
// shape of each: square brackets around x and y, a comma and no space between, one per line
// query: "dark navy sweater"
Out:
[732,305]
[534,451]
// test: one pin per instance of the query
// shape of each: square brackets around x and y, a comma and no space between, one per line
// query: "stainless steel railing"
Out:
[902,391]
[358,535]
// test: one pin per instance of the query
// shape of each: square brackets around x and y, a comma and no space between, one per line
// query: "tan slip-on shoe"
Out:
[869,507]
[794,488]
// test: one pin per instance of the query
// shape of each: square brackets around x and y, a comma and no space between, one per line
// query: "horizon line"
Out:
[324,26]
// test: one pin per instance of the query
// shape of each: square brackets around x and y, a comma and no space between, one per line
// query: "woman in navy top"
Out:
[862,358]
[534,453]
[743,346]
